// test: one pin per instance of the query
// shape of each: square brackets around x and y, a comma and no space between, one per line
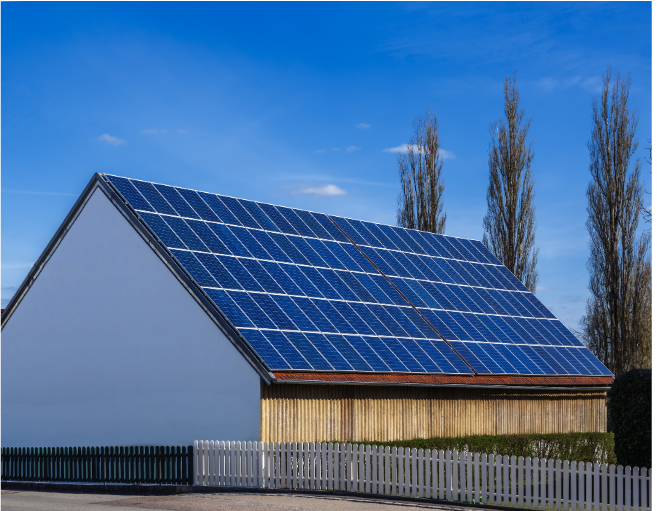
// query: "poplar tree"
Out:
[617,321]
[420,202]
[509,224]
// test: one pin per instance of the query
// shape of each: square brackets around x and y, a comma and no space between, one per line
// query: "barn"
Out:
[157,315]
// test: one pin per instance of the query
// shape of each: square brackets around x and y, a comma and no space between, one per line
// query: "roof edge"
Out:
[440,380]
[98,181]
[188,282]
[282,206]
[50,249]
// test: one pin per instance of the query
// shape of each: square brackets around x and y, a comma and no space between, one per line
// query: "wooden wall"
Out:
[351,413]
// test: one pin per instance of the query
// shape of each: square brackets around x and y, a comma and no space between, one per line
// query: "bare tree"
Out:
[509,224]
[617,321]
[420,204]
[646,211]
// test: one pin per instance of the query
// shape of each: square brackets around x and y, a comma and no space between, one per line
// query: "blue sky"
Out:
[300,104]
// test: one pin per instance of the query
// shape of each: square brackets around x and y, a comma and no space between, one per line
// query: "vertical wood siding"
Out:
[354,413]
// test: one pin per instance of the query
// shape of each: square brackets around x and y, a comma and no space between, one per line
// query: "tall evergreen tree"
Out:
[509,224]
[617,321]
[420,202]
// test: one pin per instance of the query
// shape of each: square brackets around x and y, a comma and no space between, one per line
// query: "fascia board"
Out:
[441,385]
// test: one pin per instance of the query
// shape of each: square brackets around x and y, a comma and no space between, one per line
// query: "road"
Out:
[51,501]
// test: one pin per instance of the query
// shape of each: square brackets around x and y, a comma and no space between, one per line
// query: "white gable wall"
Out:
[109,348]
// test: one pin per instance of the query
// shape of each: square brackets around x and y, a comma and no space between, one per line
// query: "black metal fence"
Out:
[129,465]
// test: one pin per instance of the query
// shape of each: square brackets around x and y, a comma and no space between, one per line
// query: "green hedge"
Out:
[587,447]
[629,415]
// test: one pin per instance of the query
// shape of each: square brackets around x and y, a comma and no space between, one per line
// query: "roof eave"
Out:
[561,383]
[437,385]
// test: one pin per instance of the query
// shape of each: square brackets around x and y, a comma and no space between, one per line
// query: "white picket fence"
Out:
[451,475]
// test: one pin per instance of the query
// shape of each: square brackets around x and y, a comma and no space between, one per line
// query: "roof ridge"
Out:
[290,207]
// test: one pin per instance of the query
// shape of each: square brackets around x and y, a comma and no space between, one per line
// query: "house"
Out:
[157,315]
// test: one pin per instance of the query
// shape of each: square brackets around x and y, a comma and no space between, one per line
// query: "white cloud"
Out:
[592,84]
[325,190]
[403,148]
[14,265]
[363,126]
[31,192]
[544,288]
[151,131]
[182,131]
[550,84]
[349,149]
[110,140]
[571,299]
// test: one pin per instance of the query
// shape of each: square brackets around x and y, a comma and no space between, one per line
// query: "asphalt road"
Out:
[50,501]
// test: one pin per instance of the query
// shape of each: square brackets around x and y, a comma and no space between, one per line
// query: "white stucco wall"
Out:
[109,348]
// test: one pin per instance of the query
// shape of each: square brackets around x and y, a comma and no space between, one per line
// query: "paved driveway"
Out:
[50,501]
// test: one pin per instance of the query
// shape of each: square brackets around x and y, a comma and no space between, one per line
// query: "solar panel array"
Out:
[312,292]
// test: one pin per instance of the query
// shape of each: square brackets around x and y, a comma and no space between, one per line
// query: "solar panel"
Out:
[310,291]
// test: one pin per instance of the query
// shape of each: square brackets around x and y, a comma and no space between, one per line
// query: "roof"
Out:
[310,297]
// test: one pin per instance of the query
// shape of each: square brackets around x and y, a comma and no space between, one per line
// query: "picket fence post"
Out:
[612,487]
[332,463]
[649,491]
[643,488]
[445,474]
[195,462]
[588,487]
[319,464]
[453,469]
[461,480]
[208,447]
[281,465]
[395,470]
[499,485]
[348,467]
[380,470]
[278,465]
[327,483]
[203,455]
[268,463]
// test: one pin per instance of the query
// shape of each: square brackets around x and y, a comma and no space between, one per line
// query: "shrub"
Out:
[587,447]
[629,416]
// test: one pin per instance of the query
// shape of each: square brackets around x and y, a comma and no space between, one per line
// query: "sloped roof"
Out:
[313,292]
[310,297]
